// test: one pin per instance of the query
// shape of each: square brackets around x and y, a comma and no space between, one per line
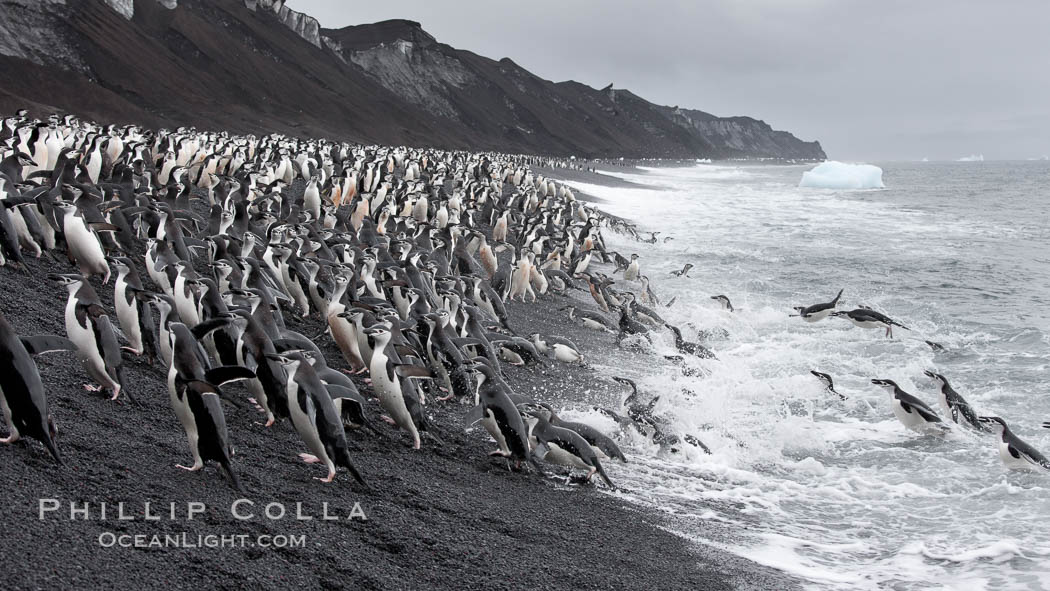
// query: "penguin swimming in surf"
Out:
[955,406]
[818,312]
[910,411]
[1014,452]
[829,384]
[865,318]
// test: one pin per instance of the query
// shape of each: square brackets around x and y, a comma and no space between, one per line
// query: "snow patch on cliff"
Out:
[304,25]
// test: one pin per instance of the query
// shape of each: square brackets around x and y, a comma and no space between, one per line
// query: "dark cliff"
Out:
[256,65]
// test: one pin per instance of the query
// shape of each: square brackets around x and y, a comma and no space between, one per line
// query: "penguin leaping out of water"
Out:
[724,300]
[829,384]
[1015,453]
[955,405]
[818,312]
[865,318]
[912,412]
[684,272]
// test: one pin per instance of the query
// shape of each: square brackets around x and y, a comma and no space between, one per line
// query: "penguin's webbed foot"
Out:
[10,438]
[92,388]
[329,478]
[192,468]
[309,458]
[387,419]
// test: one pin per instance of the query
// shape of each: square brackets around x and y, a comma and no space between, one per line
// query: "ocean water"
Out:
[836,492]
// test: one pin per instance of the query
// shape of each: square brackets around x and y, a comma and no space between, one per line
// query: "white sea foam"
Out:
[837,492]
[972,158]
[840,175]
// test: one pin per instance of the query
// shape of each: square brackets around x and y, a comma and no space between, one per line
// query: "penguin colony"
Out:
[408,256]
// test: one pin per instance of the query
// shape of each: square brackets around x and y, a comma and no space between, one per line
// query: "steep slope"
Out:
[256,65]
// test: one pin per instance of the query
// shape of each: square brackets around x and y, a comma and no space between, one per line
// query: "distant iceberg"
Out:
[839,175]
[703,161]
[972,158]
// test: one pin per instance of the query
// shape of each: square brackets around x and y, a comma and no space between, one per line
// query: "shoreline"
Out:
[447,516]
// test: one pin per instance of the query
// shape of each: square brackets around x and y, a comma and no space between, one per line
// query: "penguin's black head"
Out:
[822,376]
[888,384]
[68,280]
[935,376]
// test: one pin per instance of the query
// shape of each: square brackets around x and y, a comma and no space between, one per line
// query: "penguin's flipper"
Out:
[413,371]
[205,328]
[909,402]
[103,227]
[47,343]
[336,392]
[228,373]
[691,440]
[467,342]
[601,472]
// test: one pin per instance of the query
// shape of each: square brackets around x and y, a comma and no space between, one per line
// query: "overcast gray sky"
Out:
[873,80]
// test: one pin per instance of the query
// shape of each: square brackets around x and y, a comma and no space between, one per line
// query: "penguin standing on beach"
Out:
[315,417]
[386,381]
[195,398]
[133,314]
[22,395]
[83,246]
[500,416]
[89,328]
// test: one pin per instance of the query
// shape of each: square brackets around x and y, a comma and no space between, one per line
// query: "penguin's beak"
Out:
[930,374]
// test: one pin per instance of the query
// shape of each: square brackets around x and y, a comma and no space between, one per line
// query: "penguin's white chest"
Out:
[389,392]
[303,423]
[82,337]
[1012,463]
[911,420]
[557,455]
[84,243]
[127,314]
[592,324]
[489,422]
[818,316]
[566,354]
[182,409]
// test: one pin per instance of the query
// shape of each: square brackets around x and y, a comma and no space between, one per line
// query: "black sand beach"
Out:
[446,517]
